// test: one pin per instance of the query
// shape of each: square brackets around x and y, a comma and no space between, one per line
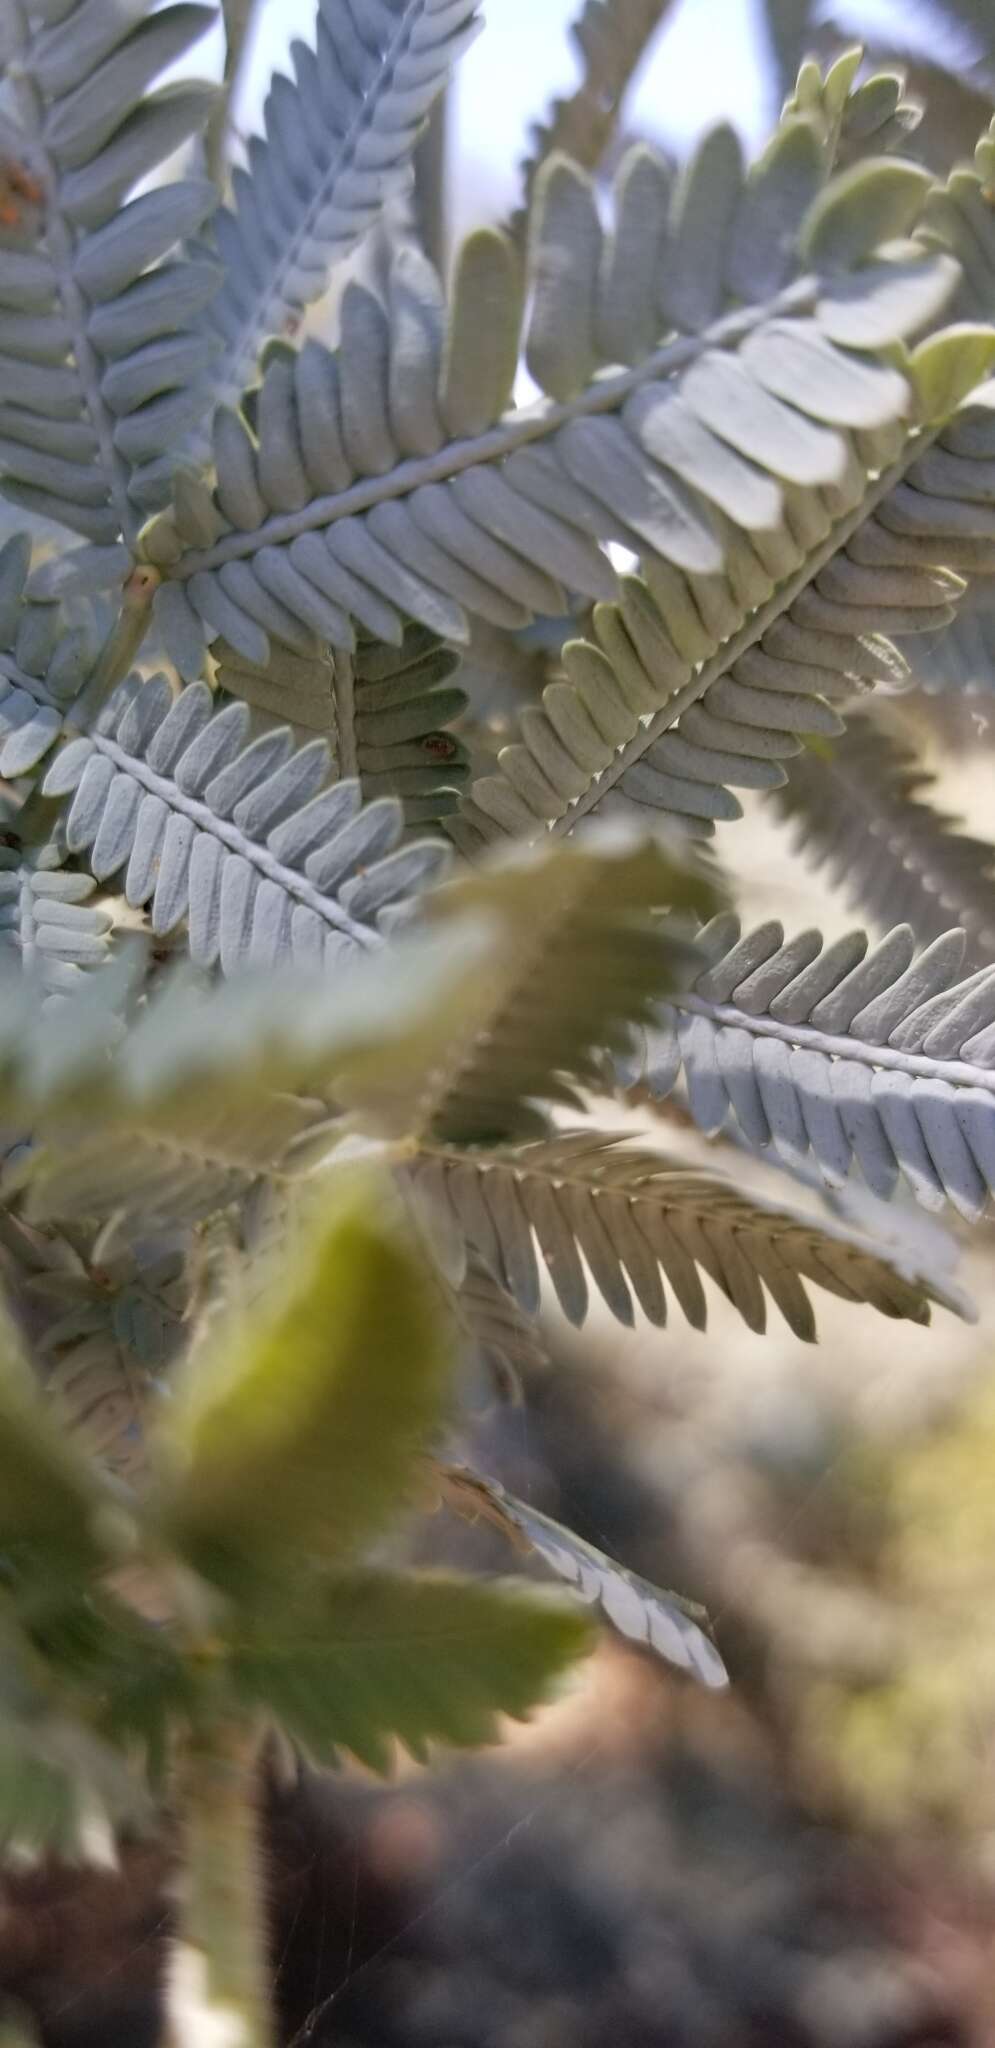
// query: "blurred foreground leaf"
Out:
[413,1659]
[297,1425]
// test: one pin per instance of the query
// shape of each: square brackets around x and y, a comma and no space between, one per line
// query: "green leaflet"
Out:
[872,203]
[743,385]
[378,1659]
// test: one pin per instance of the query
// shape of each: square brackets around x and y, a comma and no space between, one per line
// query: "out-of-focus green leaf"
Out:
[130,1674]
[207,1091]
[62,1785]
[523,974]
[415,1659]
[16,2030]
[49,1500]
[197,1049]
[296,1426]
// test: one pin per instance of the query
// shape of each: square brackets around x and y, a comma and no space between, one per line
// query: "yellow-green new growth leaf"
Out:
[946,366]
[49,1499]
[840,77]
[380,1658]
[297,1429]
[874,202]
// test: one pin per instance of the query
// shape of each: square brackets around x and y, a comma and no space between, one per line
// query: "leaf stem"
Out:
[120,647]
[217,1976]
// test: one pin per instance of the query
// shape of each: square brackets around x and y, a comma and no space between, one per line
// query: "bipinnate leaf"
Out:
[296,1430]
[388,479]
[380,1658]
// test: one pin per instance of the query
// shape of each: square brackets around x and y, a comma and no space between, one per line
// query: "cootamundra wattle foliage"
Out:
[328,912]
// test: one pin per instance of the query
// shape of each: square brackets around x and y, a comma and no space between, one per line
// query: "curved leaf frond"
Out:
[611,38]
[859,809]
[841,1054]
[639,1219]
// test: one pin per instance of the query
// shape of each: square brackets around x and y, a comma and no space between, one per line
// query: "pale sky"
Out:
[692,78]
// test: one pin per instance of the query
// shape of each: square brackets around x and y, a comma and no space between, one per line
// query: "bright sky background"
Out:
[692,78]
